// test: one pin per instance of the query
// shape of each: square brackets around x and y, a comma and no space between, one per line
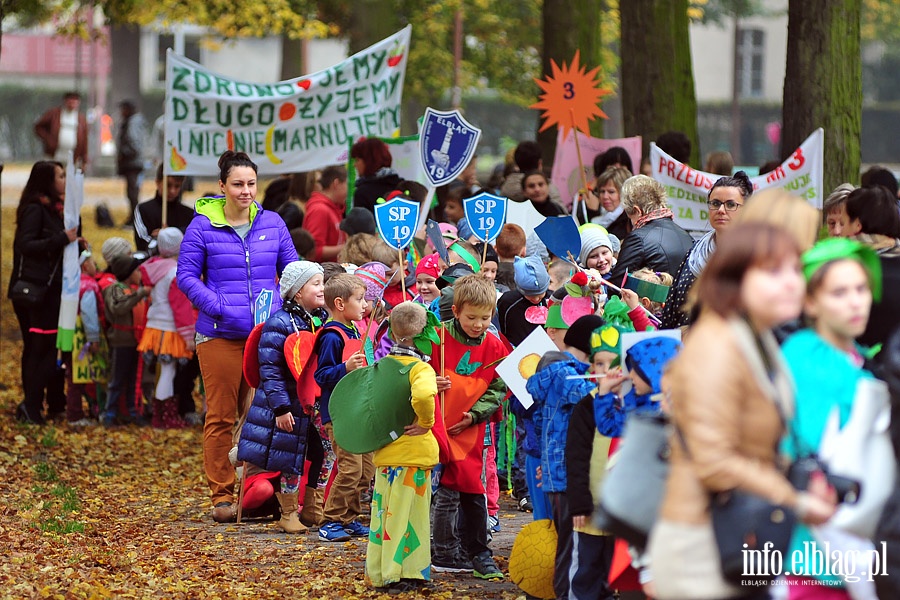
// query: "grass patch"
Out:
[61,526]
[46,472]
[68,496]
[48,440]
[56,512]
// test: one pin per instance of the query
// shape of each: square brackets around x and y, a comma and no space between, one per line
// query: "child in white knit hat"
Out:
[277,437]
[169,335]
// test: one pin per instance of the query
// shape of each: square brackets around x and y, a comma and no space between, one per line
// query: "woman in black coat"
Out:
[38,246]
[656,241]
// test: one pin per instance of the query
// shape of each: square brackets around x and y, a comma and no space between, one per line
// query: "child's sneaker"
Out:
[525,504]
[333,532]
[457,565]
[493,524]
[483,567]
[356,529]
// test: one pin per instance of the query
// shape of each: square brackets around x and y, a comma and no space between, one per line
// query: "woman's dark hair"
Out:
[291,214]
[231,159]
[41,182]
[413,189]
[374,153]
[879,176]
[617,155]
[302,185]
[532,174]
[527,156]
[747,245]
[876,210]
[676,144]
[739,180]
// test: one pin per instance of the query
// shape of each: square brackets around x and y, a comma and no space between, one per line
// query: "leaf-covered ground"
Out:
[123,513]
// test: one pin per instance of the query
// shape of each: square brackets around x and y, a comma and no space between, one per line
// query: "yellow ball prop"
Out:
[532,557]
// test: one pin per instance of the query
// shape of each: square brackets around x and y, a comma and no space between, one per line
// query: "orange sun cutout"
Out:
[571,97]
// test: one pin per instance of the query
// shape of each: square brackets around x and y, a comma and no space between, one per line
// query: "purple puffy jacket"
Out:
[233,282]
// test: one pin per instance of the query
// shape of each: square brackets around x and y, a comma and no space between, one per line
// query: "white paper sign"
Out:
[522,362]
[801,174]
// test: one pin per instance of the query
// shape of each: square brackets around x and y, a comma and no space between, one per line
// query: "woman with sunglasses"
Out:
[725,199]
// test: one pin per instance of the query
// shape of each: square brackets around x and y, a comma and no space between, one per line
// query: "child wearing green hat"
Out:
[843,276]
[586,457]
[595,420]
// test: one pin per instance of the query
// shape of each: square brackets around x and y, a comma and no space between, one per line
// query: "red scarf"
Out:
[660,213]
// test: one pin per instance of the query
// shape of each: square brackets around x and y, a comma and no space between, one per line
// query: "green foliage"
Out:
[33,12]
[22,106]
[48,440]
[55,514]
[228,18]
[44,471]
[501,45]
[880,21]
[721,12]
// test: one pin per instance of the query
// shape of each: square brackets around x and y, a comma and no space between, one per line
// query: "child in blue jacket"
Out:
[276,432]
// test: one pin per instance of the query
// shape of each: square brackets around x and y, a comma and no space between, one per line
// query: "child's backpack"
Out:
[250,365]
[370,406]
[102,217]
[303,360]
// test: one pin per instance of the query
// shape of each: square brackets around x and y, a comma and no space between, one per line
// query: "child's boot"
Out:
[290,521]
[157,420]
[313,514]
[170,416]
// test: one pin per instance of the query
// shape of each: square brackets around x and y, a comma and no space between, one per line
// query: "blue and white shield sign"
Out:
[397,221]
[447,143]
[263,306]
[486,214]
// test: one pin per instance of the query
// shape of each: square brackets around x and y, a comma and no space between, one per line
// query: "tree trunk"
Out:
[125,71]
[292,58]
[657,76]
[371,21]
[823,84]
[569,25]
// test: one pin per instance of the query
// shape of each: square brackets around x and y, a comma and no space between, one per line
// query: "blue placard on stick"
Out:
[560,235]
[486,214]
[447,144]
[397,221]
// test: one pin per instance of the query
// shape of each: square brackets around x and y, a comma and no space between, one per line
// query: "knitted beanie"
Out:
[169,241]
[295,275]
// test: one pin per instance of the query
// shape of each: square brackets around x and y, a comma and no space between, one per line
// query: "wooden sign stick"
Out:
[443,411]
[402,274]
[165,199]
[578,151]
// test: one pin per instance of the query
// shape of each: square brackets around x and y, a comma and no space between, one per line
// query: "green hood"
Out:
[213,208]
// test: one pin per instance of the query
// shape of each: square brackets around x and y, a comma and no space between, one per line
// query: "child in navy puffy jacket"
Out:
[276,433]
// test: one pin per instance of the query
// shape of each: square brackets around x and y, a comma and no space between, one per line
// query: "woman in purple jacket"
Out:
[231,257]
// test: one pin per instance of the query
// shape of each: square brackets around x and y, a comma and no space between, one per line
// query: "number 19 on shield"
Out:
[401,232]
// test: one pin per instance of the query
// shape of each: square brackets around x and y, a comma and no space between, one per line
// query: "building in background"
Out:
[38,66]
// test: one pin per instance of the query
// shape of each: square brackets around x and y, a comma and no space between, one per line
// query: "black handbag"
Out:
[752,535]
[28,292]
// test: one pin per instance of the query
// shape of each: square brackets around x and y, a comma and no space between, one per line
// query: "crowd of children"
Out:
[440,323]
